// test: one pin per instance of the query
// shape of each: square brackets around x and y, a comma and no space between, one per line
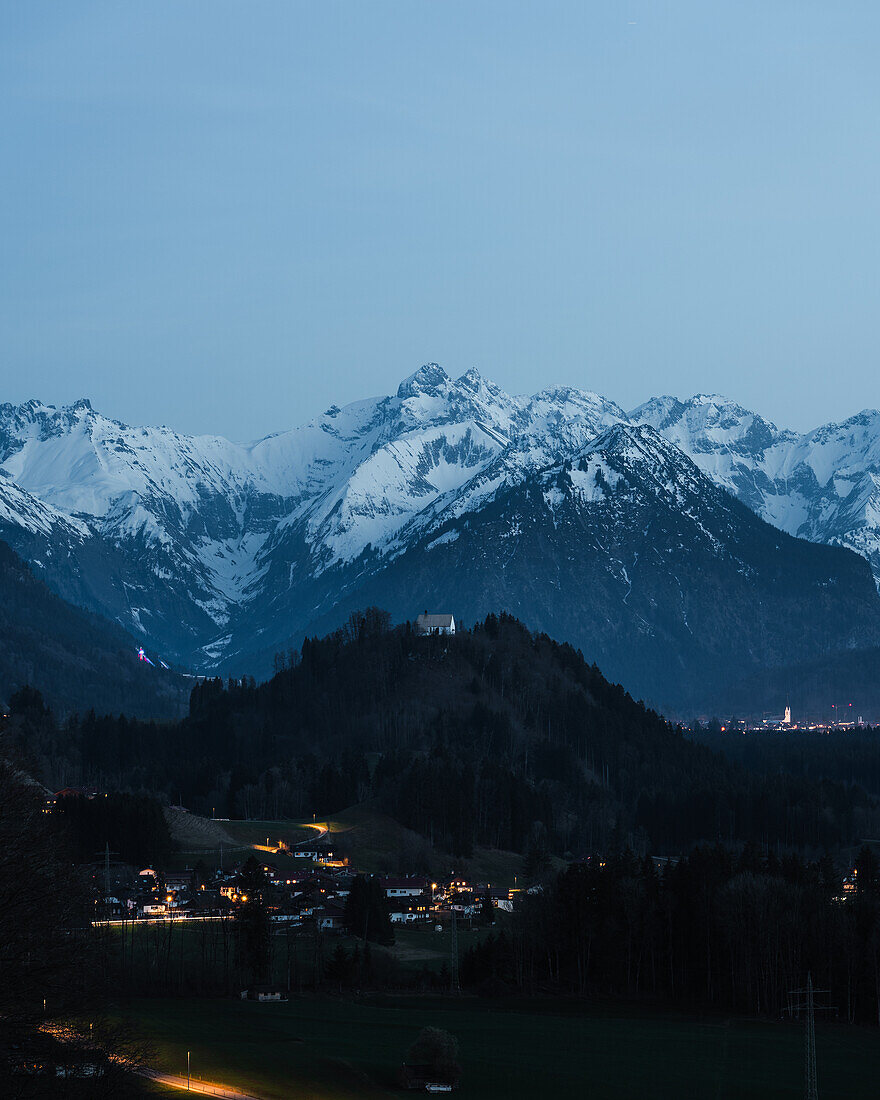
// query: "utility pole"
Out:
[811,1087]
[106,871]
[804,1000]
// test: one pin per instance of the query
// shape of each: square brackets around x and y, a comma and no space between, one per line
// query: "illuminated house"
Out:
[435,624]
[404,887]
[500,898]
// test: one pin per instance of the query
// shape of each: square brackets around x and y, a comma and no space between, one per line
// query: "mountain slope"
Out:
[630,552]
[226,523]
[495,737]
[218,553]
[77,660]
[823,486]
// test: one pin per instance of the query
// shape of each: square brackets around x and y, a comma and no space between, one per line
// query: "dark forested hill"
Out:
[78,660]
[496,737]
[627,551]
[617,534]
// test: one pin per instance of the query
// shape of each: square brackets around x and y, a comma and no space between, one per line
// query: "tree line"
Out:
[732,930]
[471,740]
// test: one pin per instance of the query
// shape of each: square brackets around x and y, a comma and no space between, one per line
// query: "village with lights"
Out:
[301,886]
[305,886]
[843,716]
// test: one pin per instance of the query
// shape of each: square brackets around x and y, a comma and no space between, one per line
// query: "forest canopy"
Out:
[488,738]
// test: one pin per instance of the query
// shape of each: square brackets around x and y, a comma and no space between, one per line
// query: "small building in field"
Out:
[443,623]
[499,897]
[265,993]
[411,887]
[409,912]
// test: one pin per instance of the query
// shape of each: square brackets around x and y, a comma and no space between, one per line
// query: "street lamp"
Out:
[187,1071]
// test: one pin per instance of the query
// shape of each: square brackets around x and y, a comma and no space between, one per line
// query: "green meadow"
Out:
[325,1048]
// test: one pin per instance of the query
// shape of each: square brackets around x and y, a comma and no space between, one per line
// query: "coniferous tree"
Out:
[253,922]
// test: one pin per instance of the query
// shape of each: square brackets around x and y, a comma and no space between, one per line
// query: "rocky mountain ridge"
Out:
[218,553]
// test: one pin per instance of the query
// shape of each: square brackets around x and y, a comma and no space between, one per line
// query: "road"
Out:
[227,849]
[200,1088]
[64,1033]
[322,830]
[167,919]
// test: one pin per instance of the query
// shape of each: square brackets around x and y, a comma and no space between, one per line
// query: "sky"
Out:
[225,217]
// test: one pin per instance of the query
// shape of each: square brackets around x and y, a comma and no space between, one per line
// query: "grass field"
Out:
[201,955]
[334,1049]
[203,836]
[375,843]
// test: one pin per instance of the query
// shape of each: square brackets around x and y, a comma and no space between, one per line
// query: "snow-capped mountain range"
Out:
[823,486]
[217,553]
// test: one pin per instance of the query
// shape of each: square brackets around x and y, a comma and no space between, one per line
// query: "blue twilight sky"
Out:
[227,216]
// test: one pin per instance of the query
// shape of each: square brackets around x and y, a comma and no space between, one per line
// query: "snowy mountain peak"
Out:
[860,428]
[660,412]
[471,377]
[180,537]
[430,379]
[711,425]
[641,450]
[641,439]
[472,382]
[718,400]
[703,411]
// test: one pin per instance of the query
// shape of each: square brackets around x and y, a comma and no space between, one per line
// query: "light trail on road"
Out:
[201,1088]
[134,921]
[66,1033]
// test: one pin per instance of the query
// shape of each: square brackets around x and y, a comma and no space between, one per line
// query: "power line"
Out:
[804,1000]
